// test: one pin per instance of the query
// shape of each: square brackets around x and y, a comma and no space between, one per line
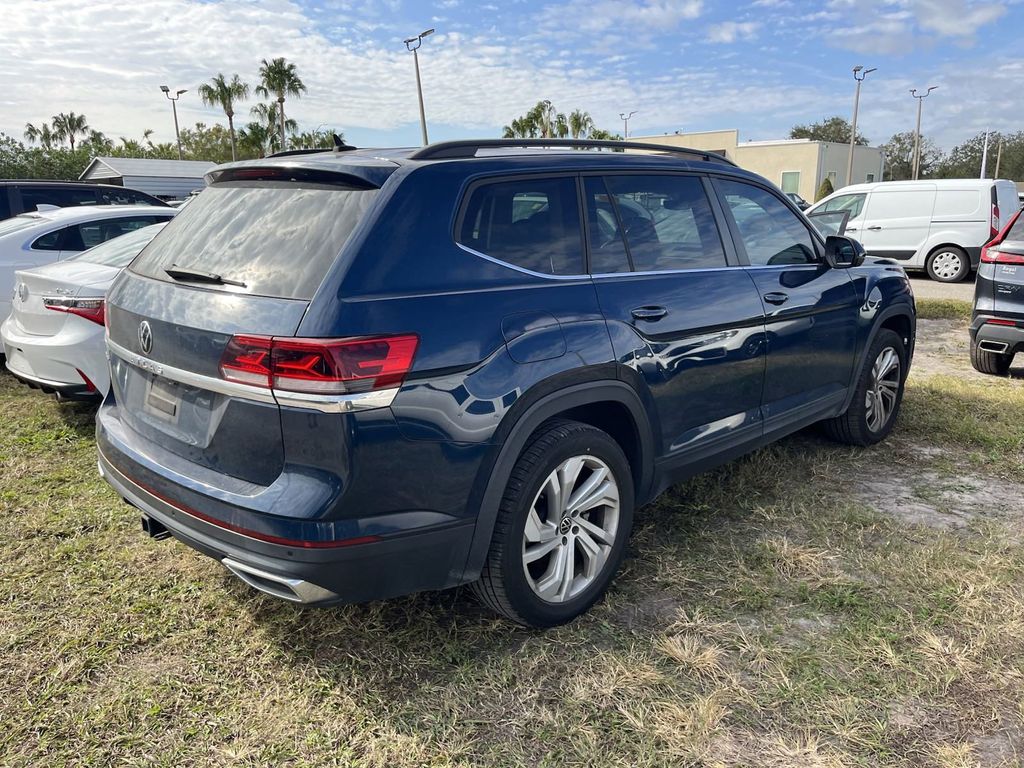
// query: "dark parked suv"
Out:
[997,323]
[24,196]
[357,374]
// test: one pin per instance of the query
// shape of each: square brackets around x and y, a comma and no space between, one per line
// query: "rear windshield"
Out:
[1017,230]
[18,222]
[121,250]
[277,238]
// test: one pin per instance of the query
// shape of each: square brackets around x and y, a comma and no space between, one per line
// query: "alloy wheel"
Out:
[570,528]
[883,391]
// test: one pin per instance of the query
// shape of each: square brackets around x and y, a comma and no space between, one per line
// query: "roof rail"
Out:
[449,150]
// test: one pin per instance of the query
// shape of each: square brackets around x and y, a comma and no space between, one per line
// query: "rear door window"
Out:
[92,233]
[769,231]
[530,223]
[278,238]
[123,197]
[667,222]
[62,197]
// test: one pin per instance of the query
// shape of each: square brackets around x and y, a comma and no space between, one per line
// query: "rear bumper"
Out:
[1001,339]
[56,363]
[355,570]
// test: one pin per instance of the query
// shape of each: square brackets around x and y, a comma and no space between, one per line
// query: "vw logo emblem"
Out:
[145,337]
[23,292]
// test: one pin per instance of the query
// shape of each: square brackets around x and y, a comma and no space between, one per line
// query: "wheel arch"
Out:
[610,405]
[898,318]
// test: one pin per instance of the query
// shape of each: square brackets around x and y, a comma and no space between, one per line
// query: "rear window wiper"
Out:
[193,275]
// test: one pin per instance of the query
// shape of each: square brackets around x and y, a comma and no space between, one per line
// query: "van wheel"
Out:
[989,362]
[949,264]
[876,400]
[562,526]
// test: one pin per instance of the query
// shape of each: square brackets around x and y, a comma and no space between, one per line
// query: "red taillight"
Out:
[319,366]
[994,225]
[90,309]
[999,321]
[990,254]
[88,384]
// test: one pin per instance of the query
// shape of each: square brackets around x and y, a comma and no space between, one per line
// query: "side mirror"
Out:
[843,252]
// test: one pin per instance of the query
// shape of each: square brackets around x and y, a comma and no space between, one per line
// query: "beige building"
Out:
[795,165]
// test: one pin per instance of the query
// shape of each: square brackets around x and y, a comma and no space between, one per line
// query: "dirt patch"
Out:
[944,348]
[940,501]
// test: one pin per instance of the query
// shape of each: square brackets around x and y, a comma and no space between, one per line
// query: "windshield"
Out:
[121,250]
[18,223]
[274,238]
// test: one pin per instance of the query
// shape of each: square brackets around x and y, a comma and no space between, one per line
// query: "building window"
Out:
[791,181]
[832,177]
[870,178]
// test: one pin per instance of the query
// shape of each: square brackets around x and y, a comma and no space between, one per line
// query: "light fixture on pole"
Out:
[625,122]
[413,44]
[174,108]
[917,131]
[859,73]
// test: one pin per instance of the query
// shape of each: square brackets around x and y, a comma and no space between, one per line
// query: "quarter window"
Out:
[852,203]
[665,221]
[49,242]
[771,233]
[532,223]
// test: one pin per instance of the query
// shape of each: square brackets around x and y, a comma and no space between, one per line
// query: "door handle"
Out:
[649,314]
[851,229]
[873,229]
[776,297]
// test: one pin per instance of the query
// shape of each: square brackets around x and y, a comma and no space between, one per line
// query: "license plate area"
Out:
[163,399]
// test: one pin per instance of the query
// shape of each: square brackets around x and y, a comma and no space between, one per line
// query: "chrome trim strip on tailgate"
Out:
[360,401]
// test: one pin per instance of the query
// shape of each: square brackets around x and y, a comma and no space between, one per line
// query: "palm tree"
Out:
[580,124]
[254,138]
[279,78]
[544,116]
[68,126]
[224,93]
[270,116]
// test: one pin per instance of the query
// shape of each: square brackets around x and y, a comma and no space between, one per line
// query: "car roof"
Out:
[74,213]
[60,183]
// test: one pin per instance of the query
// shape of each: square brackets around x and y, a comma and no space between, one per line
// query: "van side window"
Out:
[666,222]
[63,197]
[531,223]
[852,203]
[770,232]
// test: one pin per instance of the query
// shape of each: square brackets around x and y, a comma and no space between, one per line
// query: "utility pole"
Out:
[625,122]
[984,156]
[999,156]
[174,108]
[917,131]
[413,44]
[859,73]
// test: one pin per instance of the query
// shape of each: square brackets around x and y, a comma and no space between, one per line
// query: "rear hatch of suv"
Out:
[1006,255]
[242,261]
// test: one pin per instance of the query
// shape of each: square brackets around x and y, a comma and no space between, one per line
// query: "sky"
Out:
[761,66]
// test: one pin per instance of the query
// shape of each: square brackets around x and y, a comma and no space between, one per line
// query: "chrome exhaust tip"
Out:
[293,590]
[998,347]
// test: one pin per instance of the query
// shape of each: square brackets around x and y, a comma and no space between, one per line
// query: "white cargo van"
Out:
[937,225]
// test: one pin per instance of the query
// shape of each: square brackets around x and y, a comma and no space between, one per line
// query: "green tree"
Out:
[835,129]
[824,190]
[316,139]
[43,134]
[278,78]
[255,139]
[964,160]
[580,124]
[544,121]
[899,157]
[269,115]
[223,93]
[67,127]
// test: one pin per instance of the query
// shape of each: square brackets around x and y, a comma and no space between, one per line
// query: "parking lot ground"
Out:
[810,604]
[926,288]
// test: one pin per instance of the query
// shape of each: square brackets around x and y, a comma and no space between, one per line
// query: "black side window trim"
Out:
[737,238]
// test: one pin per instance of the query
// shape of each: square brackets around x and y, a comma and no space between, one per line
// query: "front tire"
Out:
[989,362]
[562,526]
[948,264]
[876,401]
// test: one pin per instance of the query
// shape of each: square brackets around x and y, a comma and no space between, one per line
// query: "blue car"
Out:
[355,374]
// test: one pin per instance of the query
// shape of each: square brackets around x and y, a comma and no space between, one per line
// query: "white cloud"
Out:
[955,18]
[731,31]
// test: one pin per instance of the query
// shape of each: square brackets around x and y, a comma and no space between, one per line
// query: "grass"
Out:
[782,610]
[943,309]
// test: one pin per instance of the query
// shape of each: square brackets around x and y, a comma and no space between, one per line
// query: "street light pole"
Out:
[859,73]
[917,131]
[174,108]
[625,122]
[413,44]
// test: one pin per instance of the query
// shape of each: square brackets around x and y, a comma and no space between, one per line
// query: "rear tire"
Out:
[989,362]
[562,526]
[876,401]
[948,264]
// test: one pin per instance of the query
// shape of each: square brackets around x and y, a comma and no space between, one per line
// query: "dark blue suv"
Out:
[355,374]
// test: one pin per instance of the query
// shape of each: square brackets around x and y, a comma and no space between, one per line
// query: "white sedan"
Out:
[42,237]
[53,338]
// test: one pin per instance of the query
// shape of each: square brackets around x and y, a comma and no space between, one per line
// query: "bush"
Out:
[824,190]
